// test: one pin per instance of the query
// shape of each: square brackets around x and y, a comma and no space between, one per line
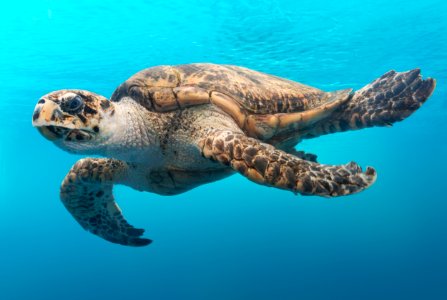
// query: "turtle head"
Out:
[72,119]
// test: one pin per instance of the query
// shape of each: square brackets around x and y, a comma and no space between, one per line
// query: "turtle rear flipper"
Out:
[389,99]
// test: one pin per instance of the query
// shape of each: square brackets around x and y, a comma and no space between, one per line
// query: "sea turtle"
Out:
[168,129]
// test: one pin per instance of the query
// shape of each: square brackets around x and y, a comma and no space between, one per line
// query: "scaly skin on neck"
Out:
[131,134]
[156,140]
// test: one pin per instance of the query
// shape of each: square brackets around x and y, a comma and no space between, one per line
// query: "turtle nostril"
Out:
[36,114]
[41,101]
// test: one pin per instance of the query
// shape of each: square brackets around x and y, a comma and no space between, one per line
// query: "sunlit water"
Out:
[231,239]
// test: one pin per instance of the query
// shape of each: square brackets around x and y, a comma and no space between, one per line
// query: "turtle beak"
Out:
[45,115]
[46,112]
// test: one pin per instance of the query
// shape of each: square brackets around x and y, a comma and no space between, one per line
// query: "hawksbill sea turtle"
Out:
[168,129]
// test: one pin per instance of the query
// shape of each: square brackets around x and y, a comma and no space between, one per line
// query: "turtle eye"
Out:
[73,104]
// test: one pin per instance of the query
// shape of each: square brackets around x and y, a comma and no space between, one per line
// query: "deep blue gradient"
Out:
[231,239]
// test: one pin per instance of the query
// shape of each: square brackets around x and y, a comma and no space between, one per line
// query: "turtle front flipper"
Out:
[86,192]
[264,164]
[389,99]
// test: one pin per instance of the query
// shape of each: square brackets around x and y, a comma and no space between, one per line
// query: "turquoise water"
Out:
[230,239]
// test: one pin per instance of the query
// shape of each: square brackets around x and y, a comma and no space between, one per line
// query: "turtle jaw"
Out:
[54,133]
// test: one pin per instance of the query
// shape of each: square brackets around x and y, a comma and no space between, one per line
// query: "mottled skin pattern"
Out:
[388,99]
[58,117]
[169,129]
[87,193]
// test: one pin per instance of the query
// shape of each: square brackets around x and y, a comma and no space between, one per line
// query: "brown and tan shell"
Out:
[264,106]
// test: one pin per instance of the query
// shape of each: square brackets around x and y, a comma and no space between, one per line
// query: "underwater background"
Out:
[231,239]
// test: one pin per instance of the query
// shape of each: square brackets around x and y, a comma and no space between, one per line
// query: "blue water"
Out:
[231,239]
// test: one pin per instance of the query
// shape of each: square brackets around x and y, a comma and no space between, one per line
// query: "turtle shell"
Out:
[256,92]
[261,104]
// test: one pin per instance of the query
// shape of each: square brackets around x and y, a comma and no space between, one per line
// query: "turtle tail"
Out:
[391,98]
